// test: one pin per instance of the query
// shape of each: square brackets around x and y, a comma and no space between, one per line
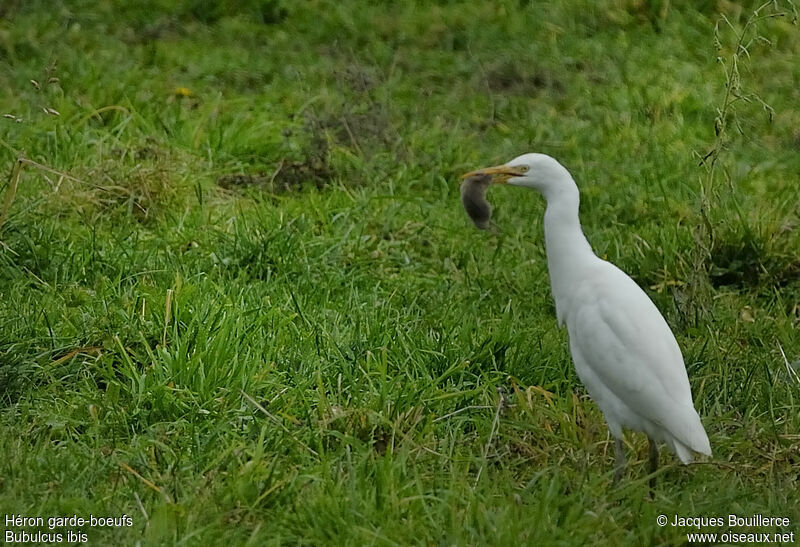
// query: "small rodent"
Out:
[473,197]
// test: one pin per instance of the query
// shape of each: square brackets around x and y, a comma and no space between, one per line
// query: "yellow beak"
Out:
[499,173]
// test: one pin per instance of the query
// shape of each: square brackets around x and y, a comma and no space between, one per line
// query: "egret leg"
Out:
[619,453]
[653,453]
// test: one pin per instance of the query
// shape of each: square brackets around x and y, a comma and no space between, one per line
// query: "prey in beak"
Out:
[473,198]
[474,186]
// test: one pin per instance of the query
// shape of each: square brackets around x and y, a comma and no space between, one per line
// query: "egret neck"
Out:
[568,252]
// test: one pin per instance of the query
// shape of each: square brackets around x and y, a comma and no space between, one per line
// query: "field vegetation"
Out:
[241,302]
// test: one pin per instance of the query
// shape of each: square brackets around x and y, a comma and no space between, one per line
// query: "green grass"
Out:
[255,313]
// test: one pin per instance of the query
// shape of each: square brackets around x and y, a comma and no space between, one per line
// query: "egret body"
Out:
[624,351]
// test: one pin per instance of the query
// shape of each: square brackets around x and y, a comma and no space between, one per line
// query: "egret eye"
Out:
[524,168]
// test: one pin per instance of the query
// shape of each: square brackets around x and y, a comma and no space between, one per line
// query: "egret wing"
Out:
[624,340]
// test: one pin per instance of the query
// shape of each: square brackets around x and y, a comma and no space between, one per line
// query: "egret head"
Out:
[537,171]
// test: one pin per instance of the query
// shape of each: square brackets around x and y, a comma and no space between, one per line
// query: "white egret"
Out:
[623,350]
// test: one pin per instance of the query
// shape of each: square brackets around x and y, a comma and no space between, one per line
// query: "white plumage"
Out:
[624,351]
